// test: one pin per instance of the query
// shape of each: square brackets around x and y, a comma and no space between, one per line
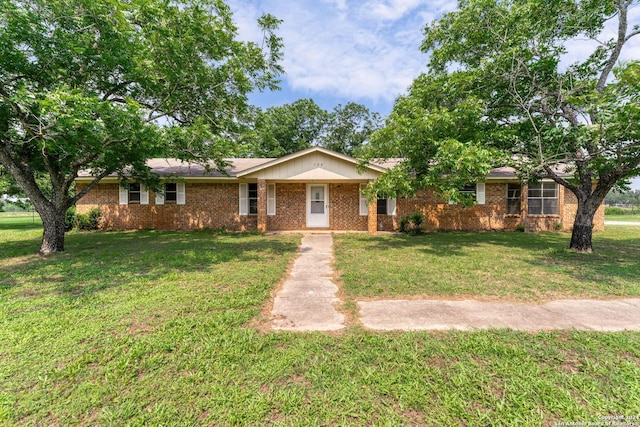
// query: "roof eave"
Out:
[302,153]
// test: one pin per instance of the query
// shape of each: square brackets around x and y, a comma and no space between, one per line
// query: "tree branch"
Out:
[615,54]
[89,187]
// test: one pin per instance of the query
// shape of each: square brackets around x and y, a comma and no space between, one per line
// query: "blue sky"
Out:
[339,51]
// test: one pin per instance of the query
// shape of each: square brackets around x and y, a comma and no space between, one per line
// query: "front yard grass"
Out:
[623,218]
[510,266]
[156,328]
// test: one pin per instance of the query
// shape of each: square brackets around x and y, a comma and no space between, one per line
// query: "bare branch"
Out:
[615,54]
[88,188]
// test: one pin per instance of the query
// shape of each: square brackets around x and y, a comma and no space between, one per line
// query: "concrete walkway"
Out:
[306,301]
[416,315]
[634,223]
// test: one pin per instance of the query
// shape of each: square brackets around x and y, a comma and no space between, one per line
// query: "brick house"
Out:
[317,189]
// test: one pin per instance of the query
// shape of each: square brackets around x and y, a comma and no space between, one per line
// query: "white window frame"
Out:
[244,198]
[390,206]
[124,198]
[479,193]
[271,199]
[243,193]
[542,198]
[180,194]
[181,197]
[364,203]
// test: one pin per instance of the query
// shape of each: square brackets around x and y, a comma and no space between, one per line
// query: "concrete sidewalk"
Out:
[308,297]
[631,223]
[416,315]
[306,300]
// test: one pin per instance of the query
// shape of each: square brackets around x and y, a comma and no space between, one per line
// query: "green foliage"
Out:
[628,197]
[619,211]
[89,220]
[288,128]
[521,228]
[285,129]
[70,219]
[412,223]
[103,86]
[348,127]
[84,222]
[498,81]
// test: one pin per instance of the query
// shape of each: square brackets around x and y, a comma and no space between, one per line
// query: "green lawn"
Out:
[625,218]
[530,267]
[163,328]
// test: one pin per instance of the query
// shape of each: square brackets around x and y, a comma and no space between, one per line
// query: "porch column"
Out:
[262,205]
[372,219]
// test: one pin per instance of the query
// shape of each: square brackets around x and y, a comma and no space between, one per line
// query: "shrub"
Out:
[70,219]
[411,223]
[521,228]
[619,210]
[89,221]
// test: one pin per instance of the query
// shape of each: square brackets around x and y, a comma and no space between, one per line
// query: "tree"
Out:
[285,129]
[288,128]
[628,197]
[104,85]
[502,81]
[348,128]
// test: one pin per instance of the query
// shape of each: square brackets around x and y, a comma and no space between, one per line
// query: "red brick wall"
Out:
[291,207]
[344,209]
[440,215]
[207,206]
[216,206]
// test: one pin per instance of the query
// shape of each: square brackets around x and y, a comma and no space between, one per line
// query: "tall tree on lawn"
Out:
[105,85]
[508,83]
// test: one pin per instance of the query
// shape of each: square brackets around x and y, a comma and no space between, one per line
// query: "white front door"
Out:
[317,206]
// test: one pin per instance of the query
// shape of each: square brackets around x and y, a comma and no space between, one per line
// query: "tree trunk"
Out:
[583,227]
[53,235]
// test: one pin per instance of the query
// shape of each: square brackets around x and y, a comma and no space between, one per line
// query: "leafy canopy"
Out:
[505,86]
[105,85]
[288,128]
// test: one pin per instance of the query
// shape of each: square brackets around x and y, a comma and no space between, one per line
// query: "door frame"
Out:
[325,222]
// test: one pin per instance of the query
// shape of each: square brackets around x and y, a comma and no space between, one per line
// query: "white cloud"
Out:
[392,9]
[365,52]
[362,51]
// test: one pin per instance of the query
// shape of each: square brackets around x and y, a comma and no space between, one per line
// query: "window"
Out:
[543,199]
[271,199]
[364,203]
[513,199]
[253,198]
[384,206]
[475,191]
[134,193]
[248,199]
[469,191]
[173,192]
